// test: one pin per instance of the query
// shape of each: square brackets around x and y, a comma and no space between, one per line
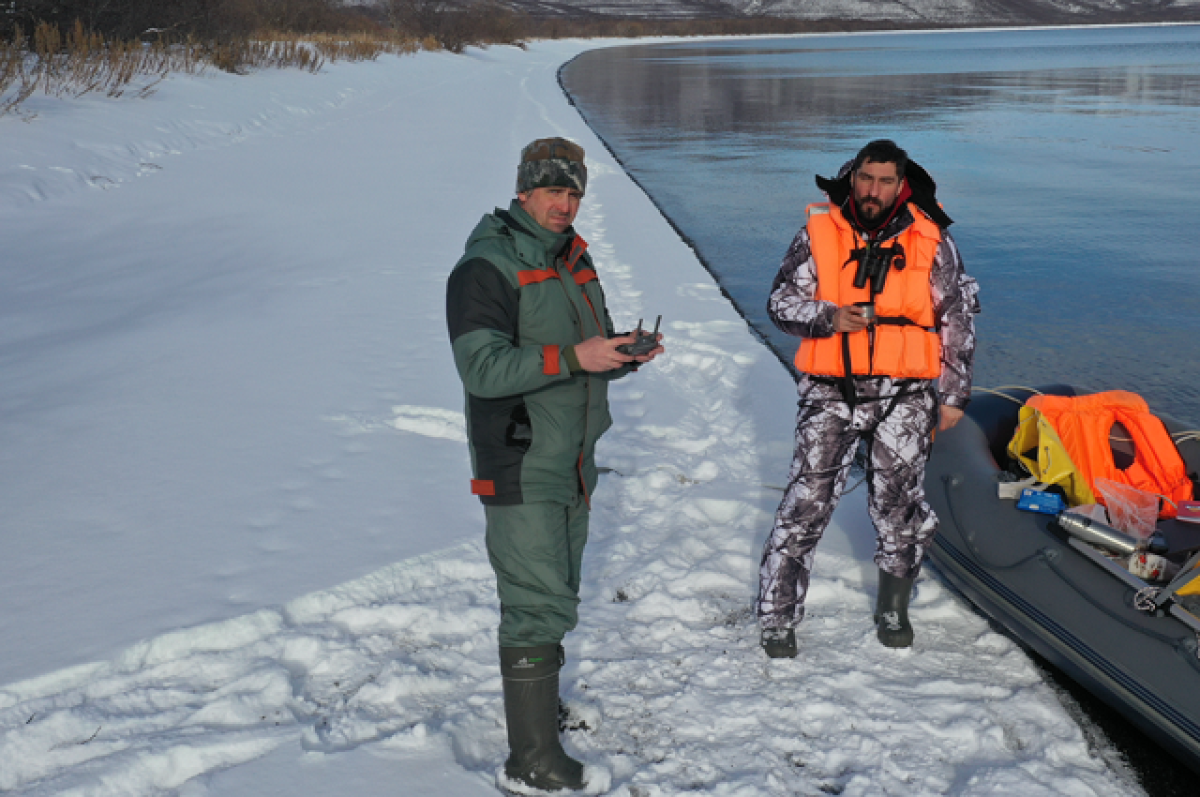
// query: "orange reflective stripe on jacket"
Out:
[909,352]
[1085,424]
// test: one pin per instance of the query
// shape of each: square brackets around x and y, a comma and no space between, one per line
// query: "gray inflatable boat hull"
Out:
[1057,597]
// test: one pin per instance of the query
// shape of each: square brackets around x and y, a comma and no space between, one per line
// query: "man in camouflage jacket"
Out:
[535,348]
[878,194]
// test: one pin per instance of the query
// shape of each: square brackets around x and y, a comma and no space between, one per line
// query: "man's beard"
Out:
[869,210]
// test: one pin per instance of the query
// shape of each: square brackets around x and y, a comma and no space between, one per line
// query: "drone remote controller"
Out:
[644,344]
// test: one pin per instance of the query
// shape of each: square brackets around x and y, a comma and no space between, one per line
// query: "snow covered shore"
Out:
[239,556]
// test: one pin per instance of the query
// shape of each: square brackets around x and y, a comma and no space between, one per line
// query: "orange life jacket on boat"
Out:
[1084,425]
[905,344]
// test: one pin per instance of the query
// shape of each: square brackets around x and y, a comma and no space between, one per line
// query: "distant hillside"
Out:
[882,13]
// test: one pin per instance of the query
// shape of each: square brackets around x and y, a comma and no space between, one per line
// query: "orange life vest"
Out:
[1084,425]
[902,351]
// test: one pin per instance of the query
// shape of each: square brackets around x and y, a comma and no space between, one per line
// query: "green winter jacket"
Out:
[517,301]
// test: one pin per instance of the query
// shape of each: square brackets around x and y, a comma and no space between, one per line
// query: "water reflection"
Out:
[1067,158]
[710,92]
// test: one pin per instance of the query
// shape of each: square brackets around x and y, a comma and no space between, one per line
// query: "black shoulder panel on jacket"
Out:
[507,218]
[479,297]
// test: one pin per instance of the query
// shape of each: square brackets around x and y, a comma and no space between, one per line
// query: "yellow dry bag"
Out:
[1036,445]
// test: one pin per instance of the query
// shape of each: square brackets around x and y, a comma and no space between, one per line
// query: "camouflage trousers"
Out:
[898,432]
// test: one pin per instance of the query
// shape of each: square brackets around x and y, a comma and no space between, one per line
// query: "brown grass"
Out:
[361,46]
[81,62]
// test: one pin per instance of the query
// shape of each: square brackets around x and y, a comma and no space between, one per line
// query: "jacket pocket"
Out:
[519,432]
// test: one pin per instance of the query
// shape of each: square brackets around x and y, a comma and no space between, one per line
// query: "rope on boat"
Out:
[995,391]
[1146,599]
[1179,437]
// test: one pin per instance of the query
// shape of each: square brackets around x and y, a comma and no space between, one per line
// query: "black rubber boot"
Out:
[891,611]
[779,643]
[531,711]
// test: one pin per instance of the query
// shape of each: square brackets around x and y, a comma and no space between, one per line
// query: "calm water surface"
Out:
[1069,159]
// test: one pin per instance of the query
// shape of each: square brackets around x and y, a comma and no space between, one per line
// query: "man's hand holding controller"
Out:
[644,343]
[604,354]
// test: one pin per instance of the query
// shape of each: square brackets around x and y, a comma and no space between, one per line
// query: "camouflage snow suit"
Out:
[896,418]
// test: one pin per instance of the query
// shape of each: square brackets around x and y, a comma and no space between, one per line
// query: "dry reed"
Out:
[81,62]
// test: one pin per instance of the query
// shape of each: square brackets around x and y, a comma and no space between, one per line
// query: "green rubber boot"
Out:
[531,711]
[891,611]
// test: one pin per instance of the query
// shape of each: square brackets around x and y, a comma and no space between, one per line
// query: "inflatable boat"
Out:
[1131,643]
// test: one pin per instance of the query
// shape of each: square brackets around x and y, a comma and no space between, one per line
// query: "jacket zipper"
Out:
[587,409]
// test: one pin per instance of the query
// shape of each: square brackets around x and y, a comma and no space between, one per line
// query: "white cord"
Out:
[995,391]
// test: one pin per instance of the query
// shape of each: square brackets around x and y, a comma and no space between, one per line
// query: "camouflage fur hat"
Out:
[551,162]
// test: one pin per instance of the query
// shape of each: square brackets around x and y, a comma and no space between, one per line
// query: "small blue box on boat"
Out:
[1038,501]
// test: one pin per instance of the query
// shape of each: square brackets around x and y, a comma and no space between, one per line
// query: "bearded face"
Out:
[876,186]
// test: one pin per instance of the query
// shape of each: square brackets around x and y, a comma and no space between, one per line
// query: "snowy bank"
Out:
[239,553]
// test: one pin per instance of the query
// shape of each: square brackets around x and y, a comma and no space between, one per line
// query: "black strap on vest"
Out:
[874,262]
[846,383]
[849,392]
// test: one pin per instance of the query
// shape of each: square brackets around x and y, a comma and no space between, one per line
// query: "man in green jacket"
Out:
[535,348]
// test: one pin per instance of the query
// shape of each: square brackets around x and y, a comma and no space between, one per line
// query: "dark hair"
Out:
[882,150]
